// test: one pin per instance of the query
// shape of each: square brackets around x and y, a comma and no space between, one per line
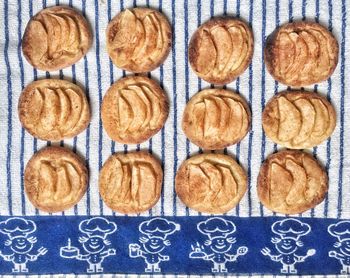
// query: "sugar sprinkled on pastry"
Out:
[56,38]
[210,183]
[221,49]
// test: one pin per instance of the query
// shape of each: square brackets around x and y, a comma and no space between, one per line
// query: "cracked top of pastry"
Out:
[55,179]
[139,39]
[291,182]
[134,109]
[53,109]
[56,38]
[216,118]
[301,53]
[132,182]
[221,49]
[298,119]
[210,183]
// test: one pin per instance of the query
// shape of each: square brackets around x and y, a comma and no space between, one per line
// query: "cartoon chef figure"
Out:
[95,243]
[289,231]
[341,231]
[21,245]
[219,243]
[154,240]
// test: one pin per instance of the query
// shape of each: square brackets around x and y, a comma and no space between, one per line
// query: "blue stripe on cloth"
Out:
[111,72]
[199,15]
[317,11]
[48,76]
[161,76]
[9,107]
[330,12]
[87,140]
[98,64]
[251,133]
[211,8]
[342,110]
[290,10]
[187,90]
[199,22]
[173,23]
[150,141]
[314,152]
[225,7]
[303,9]
[75,139]
[238,145]
[277,17]
[19,32]
[329,89]
[277,23]
[263,39]
[35,75]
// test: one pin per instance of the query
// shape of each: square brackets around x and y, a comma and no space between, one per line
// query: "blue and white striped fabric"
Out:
[96,73]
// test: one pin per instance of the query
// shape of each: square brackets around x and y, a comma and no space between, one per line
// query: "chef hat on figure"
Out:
[158,227]
[97,226]
[216,227]
[290,228]
[341,230]
[17,227]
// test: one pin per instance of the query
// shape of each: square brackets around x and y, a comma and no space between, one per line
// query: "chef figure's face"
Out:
[345,247]
[287,245]
[21,245]
[154,245]
[220,245]
[94,244]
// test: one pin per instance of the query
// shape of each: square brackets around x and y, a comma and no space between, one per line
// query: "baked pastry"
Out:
[216,118]
[55,179]
[53,109]
[138,39]
[301,53]
[298,119]
[134,109]
[131,183]
[56,38]
[221,49]
[291,182]
[210,183]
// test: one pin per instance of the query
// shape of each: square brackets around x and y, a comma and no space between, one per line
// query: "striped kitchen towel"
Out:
[252,236]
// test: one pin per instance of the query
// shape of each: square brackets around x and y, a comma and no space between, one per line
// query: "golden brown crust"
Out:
[134,109]
[131,183]
[55,179]
[291,182]
[56,38]
[221,49]
[53,109]
[210,183]
[216,118]
[298,119]
[139,39]
[301,53]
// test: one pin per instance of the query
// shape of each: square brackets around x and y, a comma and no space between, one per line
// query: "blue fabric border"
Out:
[177,237]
